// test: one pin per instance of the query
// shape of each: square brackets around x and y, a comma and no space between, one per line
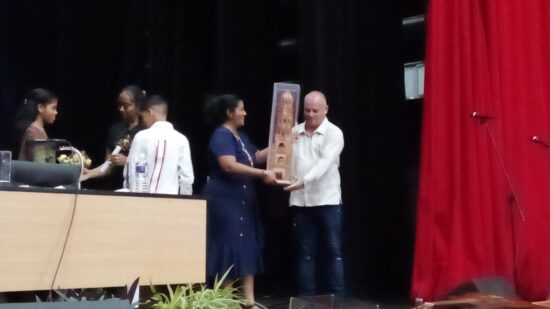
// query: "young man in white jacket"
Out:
[169,169]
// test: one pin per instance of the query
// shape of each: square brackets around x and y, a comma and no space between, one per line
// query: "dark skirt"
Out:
[233,229]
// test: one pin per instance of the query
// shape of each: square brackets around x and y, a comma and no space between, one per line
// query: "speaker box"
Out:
[312,302]
[329,302]
[492,286]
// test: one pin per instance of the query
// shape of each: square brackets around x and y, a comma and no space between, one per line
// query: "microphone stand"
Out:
[513,198]
[80,157]
[545,145]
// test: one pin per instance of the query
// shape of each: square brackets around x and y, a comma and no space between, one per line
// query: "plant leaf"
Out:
[62,295]
[132,290]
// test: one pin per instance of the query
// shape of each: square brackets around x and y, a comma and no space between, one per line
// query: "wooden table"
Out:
[98,239]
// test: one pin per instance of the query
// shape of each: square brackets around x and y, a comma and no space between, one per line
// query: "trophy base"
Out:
[284,182]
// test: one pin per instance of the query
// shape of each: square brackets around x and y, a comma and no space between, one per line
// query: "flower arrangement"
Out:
[74,159]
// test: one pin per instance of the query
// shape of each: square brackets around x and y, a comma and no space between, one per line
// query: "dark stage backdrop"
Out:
[85,51]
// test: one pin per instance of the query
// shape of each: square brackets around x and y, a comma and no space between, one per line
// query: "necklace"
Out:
[243,147]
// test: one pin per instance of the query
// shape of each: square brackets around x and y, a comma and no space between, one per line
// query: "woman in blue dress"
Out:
[233,223]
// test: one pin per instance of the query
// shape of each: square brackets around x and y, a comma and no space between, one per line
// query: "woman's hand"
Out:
[269,177]
[117,159]
[84,177]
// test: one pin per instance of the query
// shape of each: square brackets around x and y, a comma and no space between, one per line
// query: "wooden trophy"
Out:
[284,115]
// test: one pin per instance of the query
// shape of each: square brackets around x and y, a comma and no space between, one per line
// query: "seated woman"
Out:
[38,110]
[120,134]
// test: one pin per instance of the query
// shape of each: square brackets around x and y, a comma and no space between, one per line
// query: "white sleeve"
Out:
[332,147]
[129,168]
[125,174]
[185,169]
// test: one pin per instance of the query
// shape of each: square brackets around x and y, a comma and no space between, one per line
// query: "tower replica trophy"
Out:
[284,115]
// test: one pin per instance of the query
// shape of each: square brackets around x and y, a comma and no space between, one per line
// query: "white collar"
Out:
[321,129]
[162,124]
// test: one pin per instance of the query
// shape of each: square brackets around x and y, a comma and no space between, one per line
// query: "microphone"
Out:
[107,163]
[479,116]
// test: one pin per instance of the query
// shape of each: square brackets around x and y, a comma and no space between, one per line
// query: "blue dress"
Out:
[233,227]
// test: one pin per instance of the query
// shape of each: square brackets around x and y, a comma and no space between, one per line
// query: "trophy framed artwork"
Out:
[284,116]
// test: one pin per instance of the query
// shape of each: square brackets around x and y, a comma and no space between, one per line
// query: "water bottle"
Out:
[141,181]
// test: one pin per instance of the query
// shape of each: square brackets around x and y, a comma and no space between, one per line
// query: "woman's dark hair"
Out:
[139,96]
[216,107]
[28,112]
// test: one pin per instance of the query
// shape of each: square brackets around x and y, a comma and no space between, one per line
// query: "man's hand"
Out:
[295,186]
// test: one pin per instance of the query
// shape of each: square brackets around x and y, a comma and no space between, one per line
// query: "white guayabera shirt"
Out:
[168,157]
[316,158]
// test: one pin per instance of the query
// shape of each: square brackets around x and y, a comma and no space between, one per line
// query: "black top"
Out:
[117,132]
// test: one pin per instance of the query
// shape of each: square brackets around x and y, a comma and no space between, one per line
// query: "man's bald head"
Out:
[316,96]
[315,110]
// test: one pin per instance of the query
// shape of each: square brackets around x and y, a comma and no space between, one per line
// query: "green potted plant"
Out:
[198,297]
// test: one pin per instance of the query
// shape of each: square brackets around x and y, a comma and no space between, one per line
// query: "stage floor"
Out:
[339,303]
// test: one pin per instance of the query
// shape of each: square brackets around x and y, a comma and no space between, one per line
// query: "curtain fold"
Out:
[483,203]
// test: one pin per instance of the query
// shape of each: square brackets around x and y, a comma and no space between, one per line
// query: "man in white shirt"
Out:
[166,151]
[315,197]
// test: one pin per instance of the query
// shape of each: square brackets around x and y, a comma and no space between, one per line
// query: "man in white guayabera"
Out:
[315,198]
[160,159]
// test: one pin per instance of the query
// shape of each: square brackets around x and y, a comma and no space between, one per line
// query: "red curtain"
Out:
[484,194]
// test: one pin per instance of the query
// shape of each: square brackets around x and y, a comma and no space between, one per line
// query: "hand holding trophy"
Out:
[123,146]
[116,157]
[298,185]
[269,177]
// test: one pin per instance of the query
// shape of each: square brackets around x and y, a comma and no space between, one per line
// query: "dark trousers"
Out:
[317,234]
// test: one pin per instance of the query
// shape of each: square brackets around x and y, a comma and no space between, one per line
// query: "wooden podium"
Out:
[114,238]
